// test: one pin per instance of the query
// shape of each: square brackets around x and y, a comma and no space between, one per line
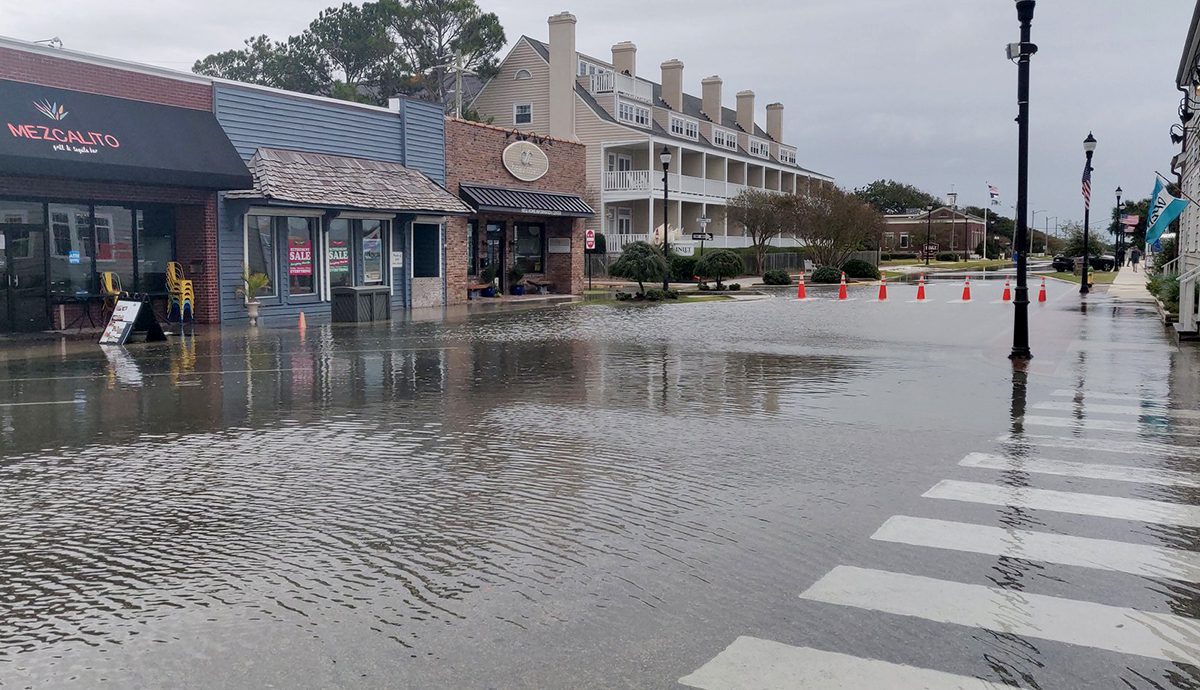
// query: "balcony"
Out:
[623,84]
[644,182]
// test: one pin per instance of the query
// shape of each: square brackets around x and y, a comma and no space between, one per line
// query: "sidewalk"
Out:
[1130,286]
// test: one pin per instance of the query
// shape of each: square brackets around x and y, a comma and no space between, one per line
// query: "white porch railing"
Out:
[615,243]
[608,82]
[627,180]
[647,181]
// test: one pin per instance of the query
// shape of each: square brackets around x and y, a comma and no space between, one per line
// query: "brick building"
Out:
[527,193]
[105,167]
[947,230]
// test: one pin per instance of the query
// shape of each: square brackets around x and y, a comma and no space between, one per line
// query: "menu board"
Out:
[120,325]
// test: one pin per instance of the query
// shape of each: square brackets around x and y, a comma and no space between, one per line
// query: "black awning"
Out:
[521,201]
[47,132]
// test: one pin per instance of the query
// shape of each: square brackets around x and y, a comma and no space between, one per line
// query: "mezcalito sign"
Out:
[525,161]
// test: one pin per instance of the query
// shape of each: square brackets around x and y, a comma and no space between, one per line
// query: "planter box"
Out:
[1168,317]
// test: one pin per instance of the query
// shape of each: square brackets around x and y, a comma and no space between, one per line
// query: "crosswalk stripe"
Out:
[1110,425]
[1130,410]
[1102,554]
[751,663]
[1142,510]
[1113,628]
[1117,473]
[1099,395]
[1126,447]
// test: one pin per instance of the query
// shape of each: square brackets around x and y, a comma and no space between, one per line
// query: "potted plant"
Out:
[252,285]
[515,275]
[488,275]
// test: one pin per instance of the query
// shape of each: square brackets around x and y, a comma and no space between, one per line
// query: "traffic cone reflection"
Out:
[1042,292]
[921,289]
[883,288]
[303,324]
[842,287]
[801,291]
[966,296]
[1007,296]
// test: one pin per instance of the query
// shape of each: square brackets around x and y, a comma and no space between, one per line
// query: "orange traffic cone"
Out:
[883,288]
[921,289]
[842,287]
[303,324]
[1042,292]
[966,297]
[1007,296]
[801,291]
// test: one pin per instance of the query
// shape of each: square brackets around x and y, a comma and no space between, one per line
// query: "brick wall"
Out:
[473,152]
[63,73]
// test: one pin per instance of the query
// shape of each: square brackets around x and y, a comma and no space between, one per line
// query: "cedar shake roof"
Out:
[318,179]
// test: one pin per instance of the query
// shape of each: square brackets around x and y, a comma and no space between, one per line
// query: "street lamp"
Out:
[928,228]
[1033,227]
[1089,147]
[665,158]
[1022,52]
[1120,227]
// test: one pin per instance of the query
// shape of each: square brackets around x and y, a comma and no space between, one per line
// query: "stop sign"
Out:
[590,239]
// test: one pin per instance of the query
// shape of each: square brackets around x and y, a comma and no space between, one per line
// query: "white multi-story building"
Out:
[1187,165]
[626,121]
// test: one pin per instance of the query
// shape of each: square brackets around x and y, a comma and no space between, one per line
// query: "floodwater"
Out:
[575,496]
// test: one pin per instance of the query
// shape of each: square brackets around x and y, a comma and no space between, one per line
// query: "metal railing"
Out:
[651,181]
[608,82]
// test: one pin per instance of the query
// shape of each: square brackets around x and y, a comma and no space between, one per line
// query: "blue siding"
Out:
[424,138]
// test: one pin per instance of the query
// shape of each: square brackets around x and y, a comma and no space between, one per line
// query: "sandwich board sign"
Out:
[129,316]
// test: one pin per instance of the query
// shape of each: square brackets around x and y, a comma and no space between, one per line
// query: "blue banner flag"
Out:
[1164,209]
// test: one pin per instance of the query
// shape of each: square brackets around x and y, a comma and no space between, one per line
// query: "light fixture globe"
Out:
[1089,144]
[665,157]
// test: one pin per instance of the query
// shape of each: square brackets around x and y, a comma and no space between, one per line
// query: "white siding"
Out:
[593,132]
[500,93]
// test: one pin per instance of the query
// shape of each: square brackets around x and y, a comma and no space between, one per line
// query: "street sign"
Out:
[702,236]
[590,239]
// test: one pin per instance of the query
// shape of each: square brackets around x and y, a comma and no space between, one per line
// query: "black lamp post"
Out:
[1089,147]
[665,158]
[1120,226]
[1022,52]
[928,228]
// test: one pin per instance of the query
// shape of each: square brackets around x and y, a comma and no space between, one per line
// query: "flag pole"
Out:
[985,210]
[1181,192]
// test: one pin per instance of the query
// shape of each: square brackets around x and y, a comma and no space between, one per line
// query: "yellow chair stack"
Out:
[181,294]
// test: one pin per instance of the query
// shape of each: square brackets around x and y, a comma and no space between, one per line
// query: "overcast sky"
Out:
[914,90]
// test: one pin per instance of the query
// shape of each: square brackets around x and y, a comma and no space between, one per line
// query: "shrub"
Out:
[857,268]
[885,257]
[623,296]
[777,277]
[947,256]
[733,287]
[683,269]
[903,257]
[655,295]
[826,274]
[719,265]
[704,287]
[672,294]
[639,261]
[1166,288]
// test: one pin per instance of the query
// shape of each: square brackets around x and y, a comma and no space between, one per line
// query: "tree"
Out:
[760,213]
[1074,241]
[293,65]
[889,196]
[429,34]
[640,261]
[722,263]
[997,224]
[833,223]
[353,39]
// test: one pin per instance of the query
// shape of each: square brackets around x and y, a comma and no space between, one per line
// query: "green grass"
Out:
[683,299]
[1098,278]
[952,265]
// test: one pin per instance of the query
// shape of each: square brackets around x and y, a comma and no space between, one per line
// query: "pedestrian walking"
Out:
[1120,257]
[1135,255]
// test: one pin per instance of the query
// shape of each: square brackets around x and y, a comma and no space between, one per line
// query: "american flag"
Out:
[1087,186]
[994,194]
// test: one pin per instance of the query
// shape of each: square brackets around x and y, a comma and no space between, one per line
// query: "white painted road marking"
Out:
[1108,425]
[1158,512]
[46,402]
[1113,628]
[1102,554]
[1127,447]
[1129,410]
[1096,395]
[753,664]
[1116,473]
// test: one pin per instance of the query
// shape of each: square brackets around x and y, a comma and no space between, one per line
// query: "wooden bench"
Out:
[473,289]
[542,287]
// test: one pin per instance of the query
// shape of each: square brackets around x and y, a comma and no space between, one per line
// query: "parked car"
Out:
[1066,264]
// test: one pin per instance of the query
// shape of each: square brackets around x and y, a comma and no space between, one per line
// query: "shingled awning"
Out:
[317,179]
[521,201]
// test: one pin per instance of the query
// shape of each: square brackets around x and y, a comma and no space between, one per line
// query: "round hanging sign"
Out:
[525,161]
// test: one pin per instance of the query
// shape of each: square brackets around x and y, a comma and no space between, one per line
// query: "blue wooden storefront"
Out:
[410,132]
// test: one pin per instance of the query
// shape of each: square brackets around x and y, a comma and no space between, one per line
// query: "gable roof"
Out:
[921,215]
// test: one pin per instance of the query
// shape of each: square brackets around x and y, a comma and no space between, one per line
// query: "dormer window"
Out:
[522,74]
[724,138]
[787,156]
[759,148]
[633,114]
[685,127]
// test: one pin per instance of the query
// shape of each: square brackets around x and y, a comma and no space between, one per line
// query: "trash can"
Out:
[361,303]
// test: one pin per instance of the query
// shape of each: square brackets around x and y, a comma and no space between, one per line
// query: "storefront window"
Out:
[155,247]
[531,247]
[260,251]
[70,248]
[339,253]
[426,250]
[472,247]
[372,251]
[114,243]
[300,258]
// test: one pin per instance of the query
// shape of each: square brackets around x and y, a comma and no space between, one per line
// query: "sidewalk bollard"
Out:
[842,288]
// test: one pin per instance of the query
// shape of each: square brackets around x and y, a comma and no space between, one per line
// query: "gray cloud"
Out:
[916,90]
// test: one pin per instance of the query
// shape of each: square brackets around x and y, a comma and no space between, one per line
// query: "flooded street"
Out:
[592,496]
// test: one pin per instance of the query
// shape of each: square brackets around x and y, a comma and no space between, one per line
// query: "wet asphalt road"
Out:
[589,496]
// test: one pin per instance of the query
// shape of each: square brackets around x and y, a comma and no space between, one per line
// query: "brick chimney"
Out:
[711,101]
[745,111]
[775,121]
[624,58]
[562,75]
[672,84]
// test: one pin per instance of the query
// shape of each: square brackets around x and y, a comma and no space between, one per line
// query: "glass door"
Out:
[23,295]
